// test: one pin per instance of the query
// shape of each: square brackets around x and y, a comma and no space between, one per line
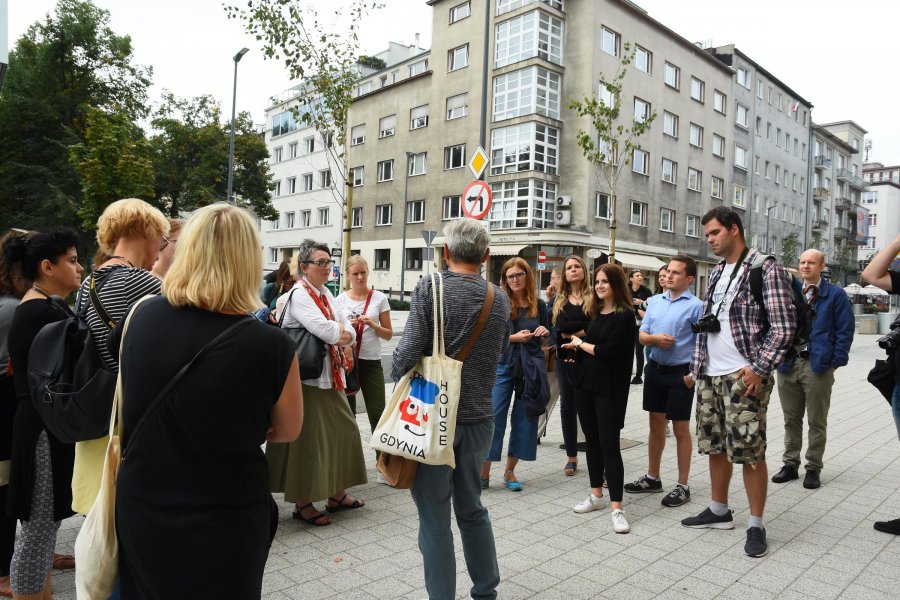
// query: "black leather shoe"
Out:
[787,473]
[811,481]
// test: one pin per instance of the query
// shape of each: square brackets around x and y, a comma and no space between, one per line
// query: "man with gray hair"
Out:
[466,248]
[805,380]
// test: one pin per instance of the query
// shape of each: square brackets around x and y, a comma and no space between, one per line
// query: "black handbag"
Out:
[882,376]
[310,349]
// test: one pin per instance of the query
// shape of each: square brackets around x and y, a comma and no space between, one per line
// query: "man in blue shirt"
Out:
[667,395]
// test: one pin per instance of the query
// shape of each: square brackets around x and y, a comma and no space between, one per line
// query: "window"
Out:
[610,41]
[740,196]
[292,150]
[698,89]
[452,208]
[523,203]
[274,255]
[418,117]
[667,220]
[638,213]
[778,136]
[383,214]
[766,173]
[305,216]
[534,34]
[358,135]
[756,203]
[605,96]
[307,182]
[458,57]
[292,185]
[357,176]
[460,12]
[455,157]
[641,110]
[283,123]
[643,59]
[718,146]
[357,220]
[672,76]
[719,100]
[741,157]
[873,219]
[760,89]
[418,68]
[387,126]
[417,164]
[277,191]
[414,259]
[289,221]
[756,162]
[742,116]
[277,154]
[777,174]
[415,211]
[457,106]
[527,91]
[758,126]
[743,77]
[525,147]
[323,214]
[692,226]
[695,180]
[640,162]
[364,88]
[717,187]
[309,145]
[325,178]
[603,208]
[696,135]
[382,259]
[669,170]
[386,170]
[670,124]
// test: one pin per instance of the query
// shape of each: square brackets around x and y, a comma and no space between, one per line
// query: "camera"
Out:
[890,341]
[706,324]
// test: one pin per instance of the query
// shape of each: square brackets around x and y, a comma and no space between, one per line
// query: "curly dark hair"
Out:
[12,283]
[26,252]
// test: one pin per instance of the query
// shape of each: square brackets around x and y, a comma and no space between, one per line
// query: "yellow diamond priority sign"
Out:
[478,162]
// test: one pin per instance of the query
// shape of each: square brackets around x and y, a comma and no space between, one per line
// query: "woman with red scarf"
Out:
[327,457]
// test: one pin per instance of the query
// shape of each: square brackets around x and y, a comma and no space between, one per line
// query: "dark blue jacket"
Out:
[832,331]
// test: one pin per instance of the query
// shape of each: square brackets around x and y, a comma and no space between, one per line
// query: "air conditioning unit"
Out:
[563,217]
[564,201]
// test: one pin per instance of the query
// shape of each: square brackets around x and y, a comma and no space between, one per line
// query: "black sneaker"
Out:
[756,545]
[710,520]
[644,485]
[678,496]
[637,380]
[811,481]
[787,473]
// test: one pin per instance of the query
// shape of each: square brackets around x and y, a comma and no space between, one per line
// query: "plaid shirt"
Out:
[763,346]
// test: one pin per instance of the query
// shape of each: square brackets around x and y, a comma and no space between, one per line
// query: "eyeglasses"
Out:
[516,276]
[319,263]
[166,242]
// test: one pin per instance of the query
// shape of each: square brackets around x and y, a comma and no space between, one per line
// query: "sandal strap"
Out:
[337,501]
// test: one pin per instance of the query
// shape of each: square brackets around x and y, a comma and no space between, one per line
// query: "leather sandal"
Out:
[570,468]
[339,504]
[63,561]
[318,520]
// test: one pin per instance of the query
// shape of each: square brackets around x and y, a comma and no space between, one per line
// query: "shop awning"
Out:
[507,250]
[639,261]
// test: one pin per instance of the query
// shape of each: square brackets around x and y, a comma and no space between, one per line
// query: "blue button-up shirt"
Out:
[672,317]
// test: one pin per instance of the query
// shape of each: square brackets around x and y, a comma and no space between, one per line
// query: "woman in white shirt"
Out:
[327,457]
[370,315]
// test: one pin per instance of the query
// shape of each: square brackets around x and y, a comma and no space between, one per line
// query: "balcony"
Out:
[821,162]
[843,174]
[841,233]
[819,225]
[858,183]
[821,192]
[843,204]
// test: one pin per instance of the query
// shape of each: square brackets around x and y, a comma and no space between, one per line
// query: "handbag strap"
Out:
[359,329]
[116,412]
[98,306]
[437,314]
[482,319]
[284,309]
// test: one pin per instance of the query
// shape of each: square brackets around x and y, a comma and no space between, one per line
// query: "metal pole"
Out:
[403,247]
[230,195]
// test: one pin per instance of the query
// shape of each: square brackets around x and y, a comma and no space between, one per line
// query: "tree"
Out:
[610,142]
[190,157]
[843,262]
[790,247]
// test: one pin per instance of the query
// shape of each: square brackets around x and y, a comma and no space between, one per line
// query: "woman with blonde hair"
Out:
[519,368]
[569,319]
[194,486]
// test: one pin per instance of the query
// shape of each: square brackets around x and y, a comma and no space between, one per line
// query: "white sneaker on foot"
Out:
[620,523]
[591,503]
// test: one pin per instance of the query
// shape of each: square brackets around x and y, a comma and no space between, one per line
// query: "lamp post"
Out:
[768,208]
[237,59]
[403,247]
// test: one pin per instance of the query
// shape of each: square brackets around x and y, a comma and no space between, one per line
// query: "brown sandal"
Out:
[319,519]
[339,504]
[63,561]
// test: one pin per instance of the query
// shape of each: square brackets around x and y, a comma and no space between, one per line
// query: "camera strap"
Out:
[734,272]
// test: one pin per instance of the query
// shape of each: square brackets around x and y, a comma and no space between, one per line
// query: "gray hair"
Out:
[467,240]
[305,252]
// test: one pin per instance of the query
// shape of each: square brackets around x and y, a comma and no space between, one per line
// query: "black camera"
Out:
[891,341]
[707,324]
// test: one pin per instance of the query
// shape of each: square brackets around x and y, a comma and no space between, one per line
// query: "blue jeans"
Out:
[895,403]
[523,433]
[432,491]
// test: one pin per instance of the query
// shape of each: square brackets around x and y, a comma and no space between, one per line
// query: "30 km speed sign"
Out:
[476,199]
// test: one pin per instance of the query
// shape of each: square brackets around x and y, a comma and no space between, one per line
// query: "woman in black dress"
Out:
[193,486]
[602,369]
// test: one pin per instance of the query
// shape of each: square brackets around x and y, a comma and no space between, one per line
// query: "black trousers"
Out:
[568,413]
[638,354]
[602,425]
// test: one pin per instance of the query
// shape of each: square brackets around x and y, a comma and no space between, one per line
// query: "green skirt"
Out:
[326,457]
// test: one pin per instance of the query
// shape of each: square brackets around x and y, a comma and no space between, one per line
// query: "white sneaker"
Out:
[591,503]
[668,429]
[620,523]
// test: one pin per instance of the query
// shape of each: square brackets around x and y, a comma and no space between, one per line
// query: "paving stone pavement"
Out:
[821,542]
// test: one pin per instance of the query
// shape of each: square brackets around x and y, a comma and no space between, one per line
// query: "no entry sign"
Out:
[476,199]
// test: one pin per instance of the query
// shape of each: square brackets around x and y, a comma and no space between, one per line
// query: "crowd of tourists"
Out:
[218,409]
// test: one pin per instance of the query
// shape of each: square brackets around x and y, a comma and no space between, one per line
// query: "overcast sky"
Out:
[831,52]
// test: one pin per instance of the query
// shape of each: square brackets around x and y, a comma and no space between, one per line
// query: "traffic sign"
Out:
[542,266]
[428,236]
[476,199]
[542,257]
[478,162]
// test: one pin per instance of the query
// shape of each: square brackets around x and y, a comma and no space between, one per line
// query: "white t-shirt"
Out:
[722,355]
[371,343]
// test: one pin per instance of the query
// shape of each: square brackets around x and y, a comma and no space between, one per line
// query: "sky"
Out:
[833,55]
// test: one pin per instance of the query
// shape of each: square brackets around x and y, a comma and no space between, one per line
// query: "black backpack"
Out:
[805,311]
[71,387]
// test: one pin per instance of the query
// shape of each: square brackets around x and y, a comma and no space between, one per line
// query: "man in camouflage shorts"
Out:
[738,347]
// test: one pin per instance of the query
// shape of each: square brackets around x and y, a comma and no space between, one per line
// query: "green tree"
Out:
[790,248]
[611,140]
[843,263]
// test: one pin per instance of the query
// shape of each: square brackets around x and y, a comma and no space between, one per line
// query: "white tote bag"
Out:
[419,421]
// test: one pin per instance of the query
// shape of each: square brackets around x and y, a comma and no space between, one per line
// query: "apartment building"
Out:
[882,200]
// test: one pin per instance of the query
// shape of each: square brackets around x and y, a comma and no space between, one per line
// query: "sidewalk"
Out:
[821,542]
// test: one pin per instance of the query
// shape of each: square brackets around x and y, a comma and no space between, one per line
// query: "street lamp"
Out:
[768,208]
[237,59]
[405,219]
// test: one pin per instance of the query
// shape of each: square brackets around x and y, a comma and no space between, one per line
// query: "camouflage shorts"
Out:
[728,421]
